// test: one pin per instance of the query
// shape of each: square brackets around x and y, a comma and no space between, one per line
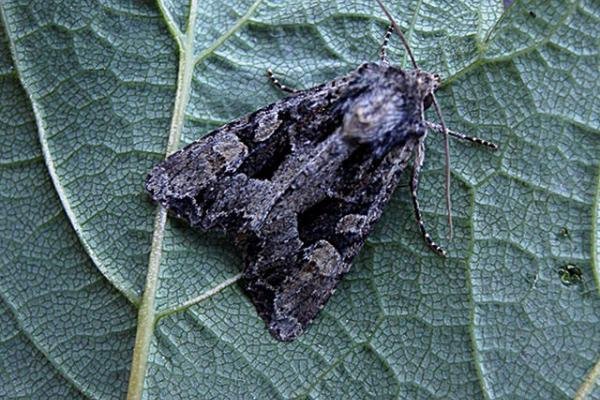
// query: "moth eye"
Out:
[427,101]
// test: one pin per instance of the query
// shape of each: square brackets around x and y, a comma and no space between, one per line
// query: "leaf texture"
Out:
[93,94]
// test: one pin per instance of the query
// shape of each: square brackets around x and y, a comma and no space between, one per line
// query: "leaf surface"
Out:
[94,94]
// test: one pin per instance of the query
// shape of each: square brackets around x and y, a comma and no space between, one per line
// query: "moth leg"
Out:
[279,85]
[384,45]
[414,185]
[438,128]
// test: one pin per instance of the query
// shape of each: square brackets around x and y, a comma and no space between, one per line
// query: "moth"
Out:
[299,184]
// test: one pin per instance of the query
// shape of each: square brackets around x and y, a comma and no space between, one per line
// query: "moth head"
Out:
[428,100]
[430,84]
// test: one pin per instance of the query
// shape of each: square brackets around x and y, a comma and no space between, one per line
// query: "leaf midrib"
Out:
[147,309]
[147,315]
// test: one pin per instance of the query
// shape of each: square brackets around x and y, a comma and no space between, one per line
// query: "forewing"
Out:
[310,237]
[224,179]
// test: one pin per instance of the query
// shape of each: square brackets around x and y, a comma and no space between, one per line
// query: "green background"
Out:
[93,92]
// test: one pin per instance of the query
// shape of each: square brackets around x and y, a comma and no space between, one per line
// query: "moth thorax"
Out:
[372,114]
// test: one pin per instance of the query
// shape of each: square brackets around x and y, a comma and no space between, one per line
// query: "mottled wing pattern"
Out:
[223,180]
[305,248]
[299,185]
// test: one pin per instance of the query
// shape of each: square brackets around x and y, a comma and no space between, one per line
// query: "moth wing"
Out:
[222,179]
[294,268]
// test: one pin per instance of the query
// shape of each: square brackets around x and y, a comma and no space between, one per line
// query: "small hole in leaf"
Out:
[564,233]
[570,274]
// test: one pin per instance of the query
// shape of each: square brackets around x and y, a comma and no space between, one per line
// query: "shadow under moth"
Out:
[299,184]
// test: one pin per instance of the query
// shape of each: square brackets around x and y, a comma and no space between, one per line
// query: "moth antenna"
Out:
[399,32]
[437,111]
[436,106]
[384,45]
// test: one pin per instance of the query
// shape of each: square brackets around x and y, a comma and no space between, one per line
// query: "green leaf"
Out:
[101,294]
